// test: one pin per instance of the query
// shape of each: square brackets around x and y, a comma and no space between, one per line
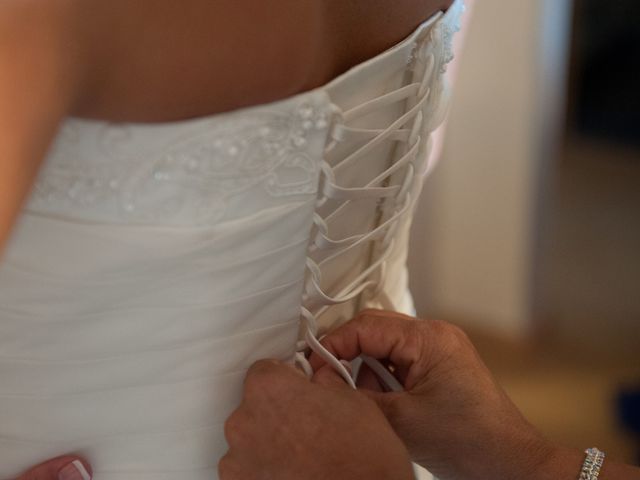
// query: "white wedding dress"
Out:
[154,263]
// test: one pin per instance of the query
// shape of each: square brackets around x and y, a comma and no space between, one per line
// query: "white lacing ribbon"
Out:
[395,200]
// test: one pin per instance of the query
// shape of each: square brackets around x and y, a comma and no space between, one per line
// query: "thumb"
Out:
[328,377]
[68,467]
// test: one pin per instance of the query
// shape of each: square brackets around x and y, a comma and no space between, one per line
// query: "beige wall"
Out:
[473,250]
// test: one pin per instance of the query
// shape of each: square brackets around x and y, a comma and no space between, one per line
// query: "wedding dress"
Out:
[153,263]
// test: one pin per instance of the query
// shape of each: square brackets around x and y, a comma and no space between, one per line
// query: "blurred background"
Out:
[528,232]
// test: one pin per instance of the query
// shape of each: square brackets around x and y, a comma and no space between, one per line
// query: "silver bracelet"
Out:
[592,464]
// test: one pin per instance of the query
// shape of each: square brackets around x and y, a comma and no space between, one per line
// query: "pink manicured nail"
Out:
[74,471]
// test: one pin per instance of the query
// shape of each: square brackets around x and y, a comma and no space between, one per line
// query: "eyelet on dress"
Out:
[421,97]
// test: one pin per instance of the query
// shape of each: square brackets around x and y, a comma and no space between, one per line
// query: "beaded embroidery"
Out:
[188,180]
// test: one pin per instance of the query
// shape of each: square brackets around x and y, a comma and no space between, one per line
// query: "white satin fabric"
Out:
[154,263]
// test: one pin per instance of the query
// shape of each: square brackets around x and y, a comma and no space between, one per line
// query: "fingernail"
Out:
[74,471]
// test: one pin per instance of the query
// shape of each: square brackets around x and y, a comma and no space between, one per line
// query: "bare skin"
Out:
[325,410]
[200,57]
[161,60]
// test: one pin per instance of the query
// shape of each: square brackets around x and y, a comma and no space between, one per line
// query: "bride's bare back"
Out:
[163,60]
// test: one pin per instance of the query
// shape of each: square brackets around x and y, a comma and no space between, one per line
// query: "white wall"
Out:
[473,248]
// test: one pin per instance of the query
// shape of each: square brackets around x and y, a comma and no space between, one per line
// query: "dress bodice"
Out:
[153,263]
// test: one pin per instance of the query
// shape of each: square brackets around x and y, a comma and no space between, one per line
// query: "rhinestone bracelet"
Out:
[592,464]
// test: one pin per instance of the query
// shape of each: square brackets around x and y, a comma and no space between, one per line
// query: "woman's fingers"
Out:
[368,380]
[327,376]
[378,334]
[68,467]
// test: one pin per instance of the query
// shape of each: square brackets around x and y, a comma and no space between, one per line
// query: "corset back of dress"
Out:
[154,263]
[371,176]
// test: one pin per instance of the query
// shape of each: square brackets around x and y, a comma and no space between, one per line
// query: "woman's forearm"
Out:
[37,85]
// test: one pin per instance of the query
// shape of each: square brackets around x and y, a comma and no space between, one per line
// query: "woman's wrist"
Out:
[566,463]
[536,458]
[527,455]
[562,463]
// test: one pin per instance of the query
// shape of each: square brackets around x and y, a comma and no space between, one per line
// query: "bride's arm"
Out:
[37,80]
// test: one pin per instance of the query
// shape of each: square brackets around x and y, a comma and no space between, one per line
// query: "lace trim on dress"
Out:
[204,166]
[395,198]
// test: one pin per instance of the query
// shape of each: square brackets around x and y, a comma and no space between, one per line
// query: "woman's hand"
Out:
[290,428]
[453,416]
[68,467]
